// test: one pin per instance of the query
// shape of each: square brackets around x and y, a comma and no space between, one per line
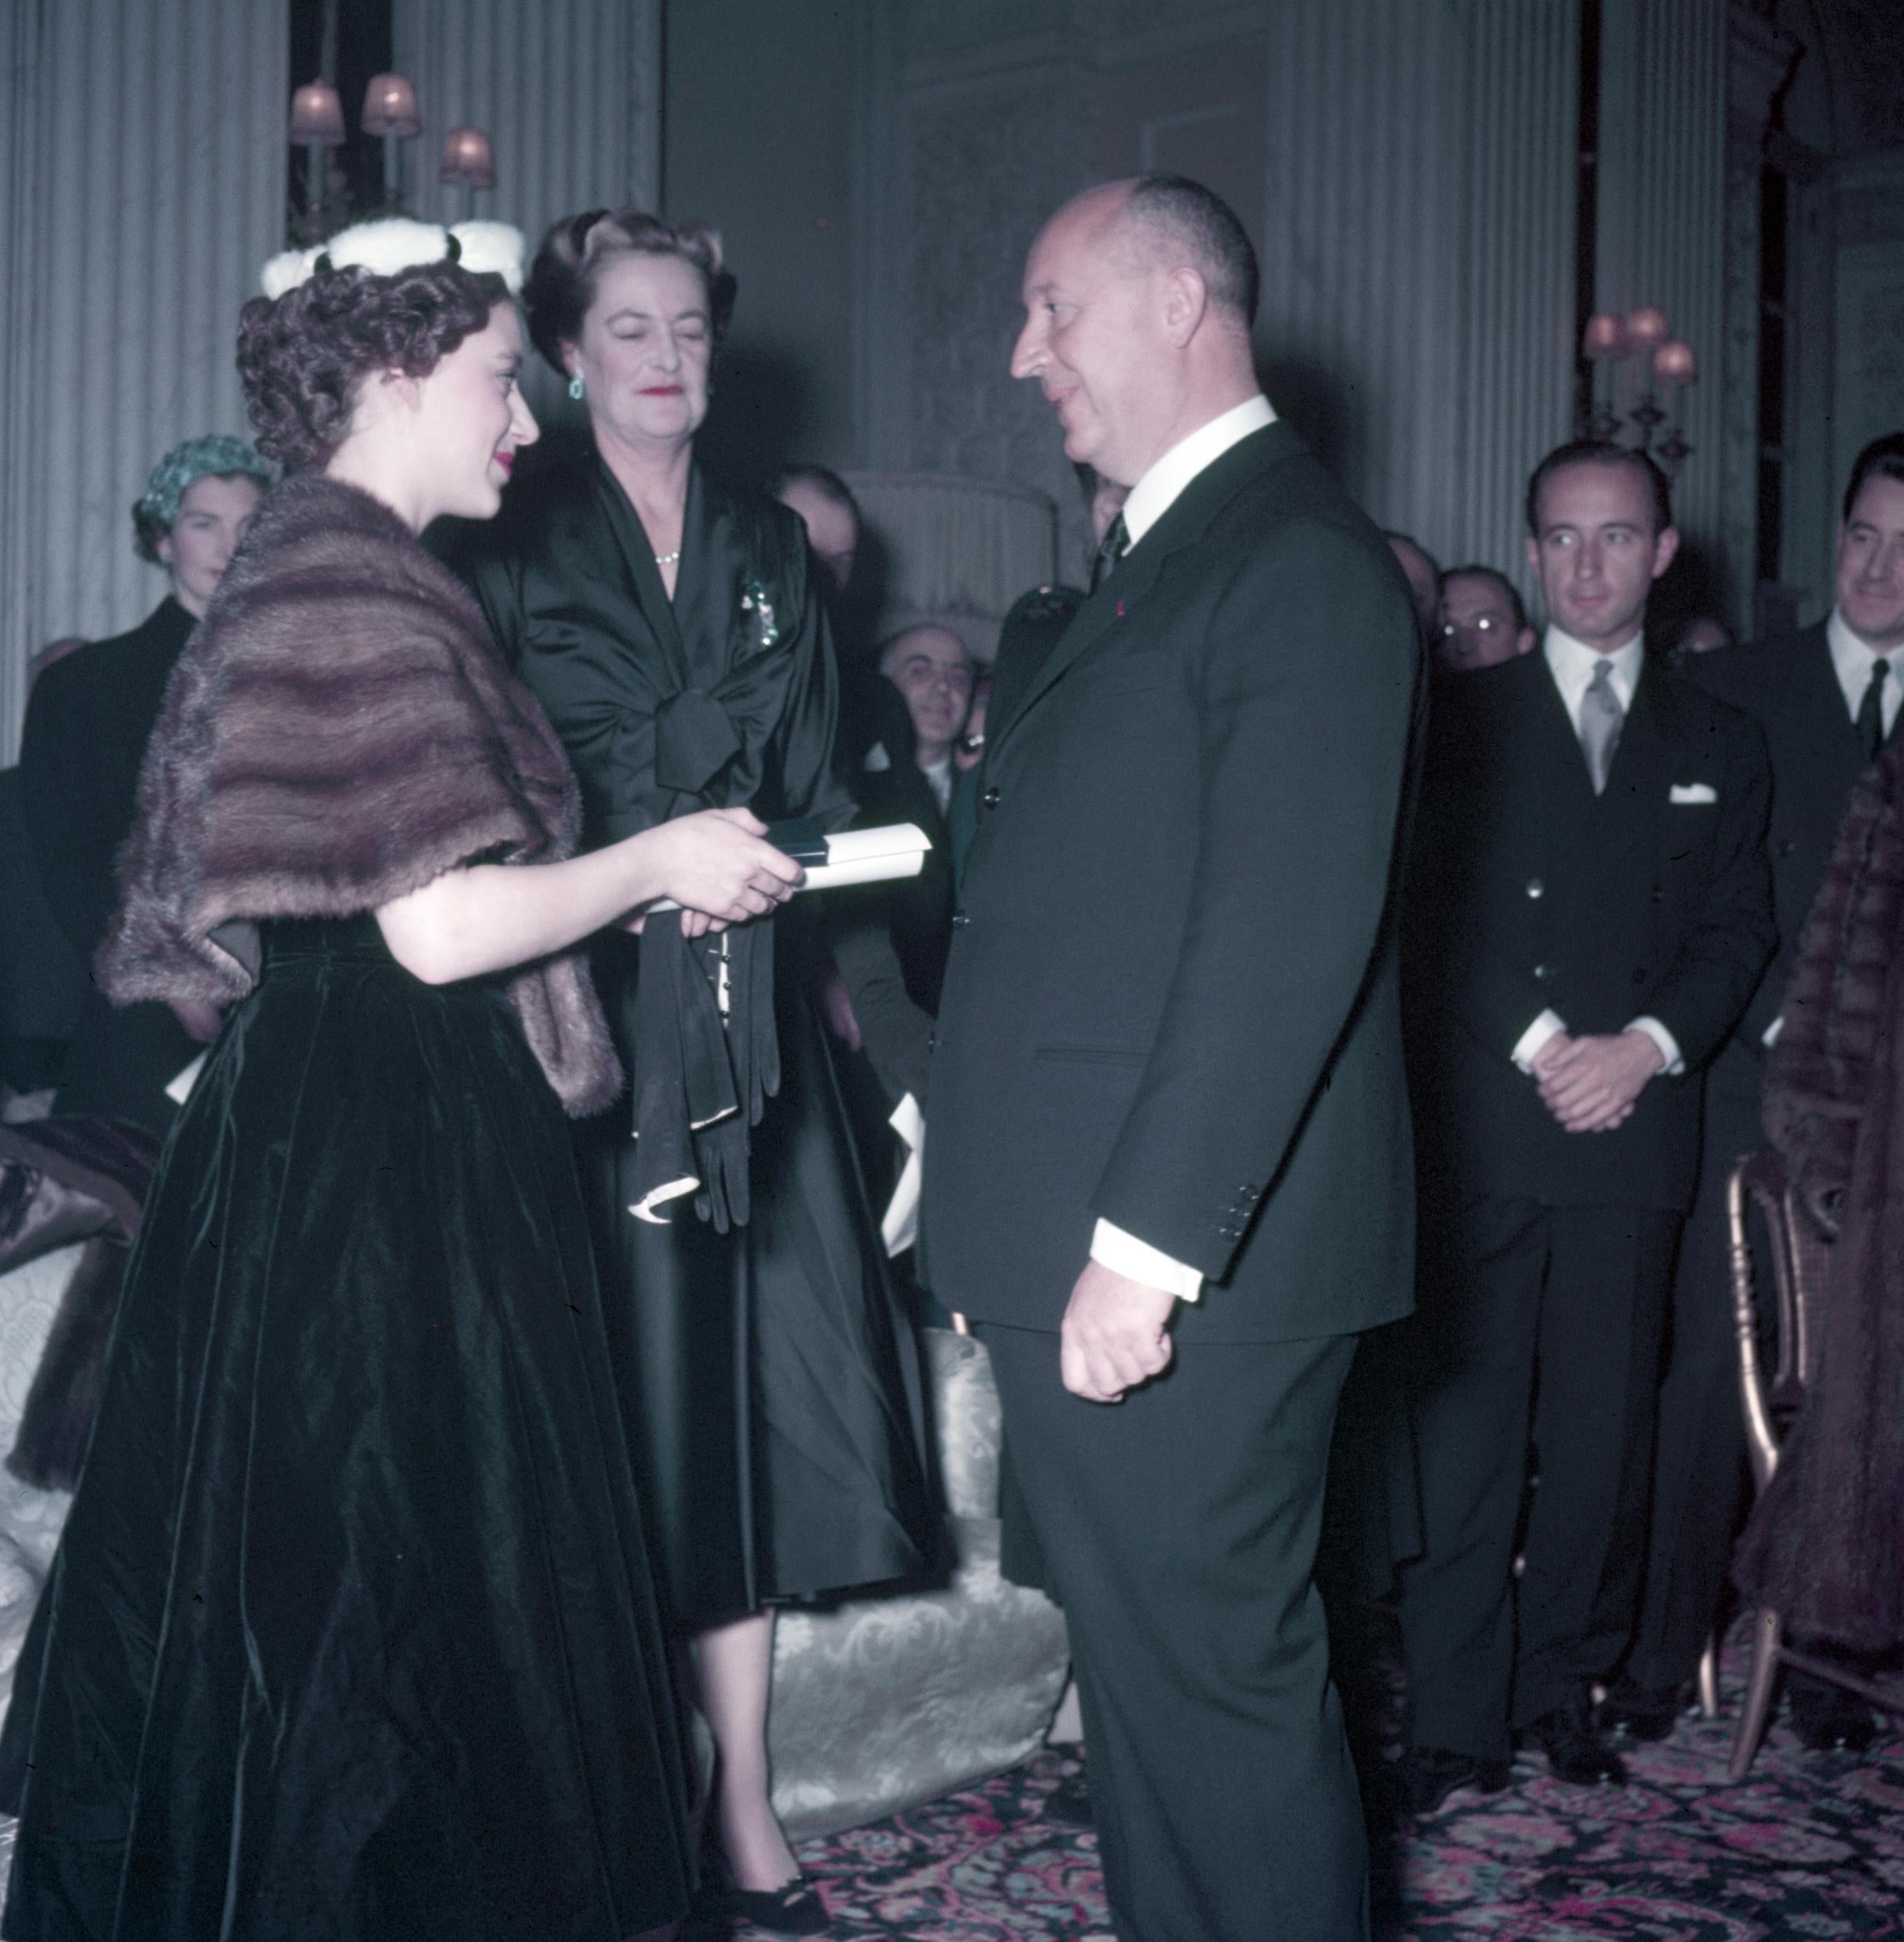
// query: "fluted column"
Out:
[142,185]
[1661,221]
[1362,312]
[1418,261]
[1518,305]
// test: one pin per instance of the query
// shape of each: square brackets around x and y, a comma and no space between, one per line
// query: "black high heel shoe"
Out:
[795,1910]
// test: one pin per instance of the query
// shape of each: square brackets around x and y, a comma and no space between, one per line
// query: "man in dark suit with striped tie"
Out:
[1589,913]
[1827,699]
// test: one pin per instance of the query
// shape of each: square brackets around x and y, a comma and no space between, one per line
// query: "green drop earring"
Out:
[575,388]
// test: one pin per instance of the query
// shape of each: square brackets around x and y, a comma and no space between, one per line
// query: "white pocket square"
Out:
[1693,792]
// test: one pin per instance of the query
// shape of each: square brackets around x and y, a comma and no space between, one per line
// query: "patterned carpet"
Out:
[1809,1846]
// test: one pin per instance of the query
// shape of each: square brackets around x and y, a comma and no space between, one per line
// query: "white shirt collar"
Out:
[1851,658]
[938,777]
[1153,495]
[1571,662]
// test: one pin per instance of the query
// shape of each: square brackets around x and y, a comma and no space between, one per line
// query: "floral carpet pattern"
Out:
[1809,1845]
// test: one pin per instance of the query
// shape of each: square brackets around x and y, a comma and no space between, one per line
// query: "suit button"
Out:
[932,1042]
[1659,892]
[989,799]
[1786,848]
[959,920]
[1535,887]
[1543,973]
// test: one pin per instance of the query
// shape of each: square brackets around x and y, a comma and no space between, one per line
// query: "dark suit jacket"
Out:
[917,910]
[1790,688]
[43,981]
[1171,1000]
[87,723]
[1526,892]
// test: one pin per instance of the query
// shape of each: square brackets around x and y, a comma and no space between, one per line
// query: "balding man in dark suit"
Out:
[1168,1166]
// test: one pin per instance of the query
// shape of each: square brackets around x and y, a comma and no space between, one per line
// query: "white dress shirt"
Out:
[1572,663]
[938,779]
[1852,658]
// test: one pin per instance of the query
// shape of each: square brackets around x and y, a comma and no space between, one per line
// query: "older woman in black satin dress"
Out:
[668,626]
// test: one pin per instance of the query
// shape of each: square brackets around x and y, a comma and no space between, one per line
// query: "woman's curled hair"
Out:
[562,280]
[302,356]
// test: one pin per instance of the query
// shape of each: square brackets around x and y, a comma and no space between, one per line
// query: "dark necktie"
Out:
[1871,712]
[1112,547]
[1601,719]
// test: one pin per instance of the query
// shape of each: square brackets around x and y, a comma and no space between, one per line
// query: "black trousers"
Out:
[1179,1528]
[1700,1484]
[1538,1325]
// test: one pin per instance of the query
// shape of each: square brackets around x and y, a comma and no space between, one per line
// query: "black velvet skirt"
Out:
[351,1634]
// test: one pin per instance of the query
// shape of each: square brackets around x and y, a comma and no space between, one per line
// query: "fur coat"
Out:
[340,732]
[1825,1546]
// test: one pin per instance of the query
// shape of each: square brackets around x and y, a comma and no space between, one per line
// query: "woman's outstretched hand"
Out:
[717,866]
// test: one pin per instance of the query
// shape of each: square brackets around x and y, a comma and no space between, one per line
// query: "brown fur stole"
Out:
[1825,1546]
[340,732]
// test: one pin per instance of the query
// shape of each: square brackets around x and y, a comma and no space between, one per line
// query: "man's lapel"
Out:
[1183,522]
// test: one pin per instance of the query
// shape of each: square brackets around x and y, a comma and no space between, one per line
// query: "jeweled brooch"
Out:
[753,600]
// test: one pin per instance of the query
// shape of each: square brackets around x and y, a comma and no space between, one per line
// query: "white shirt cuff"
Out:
[1772,1030]
[1529,1046]
[1138,1260]
[1668,1045]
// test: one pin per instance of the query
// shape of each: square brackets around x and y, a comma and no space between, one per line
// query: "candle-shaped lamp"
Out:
[1605,336]
[390,111]
[317,123]
[1602,343]
[1675,367]
[468,158]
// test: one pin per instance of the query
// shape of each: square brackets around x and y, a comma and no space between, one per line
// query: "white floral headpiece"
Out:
[393,243]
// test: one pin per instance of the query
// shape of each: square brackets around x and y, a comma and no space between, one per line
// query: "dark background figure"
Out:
[932,670]
[87,726]
[1424,578]
[670,628]
[43,980]
[1589,913]
[837,538]
[1700,634]
[1169,1040]
[1827,699]
[1481,620]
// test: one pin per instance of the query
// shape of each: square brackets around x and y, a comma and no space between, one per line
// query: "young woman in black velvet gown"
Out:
[667,623]
[351,1637]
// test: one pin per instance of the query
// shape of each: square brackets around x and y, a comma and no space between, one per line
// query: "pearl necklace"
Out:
[667,559]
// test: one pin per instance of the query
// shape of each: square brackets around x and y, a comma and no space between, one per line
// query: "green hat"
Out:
[185,466]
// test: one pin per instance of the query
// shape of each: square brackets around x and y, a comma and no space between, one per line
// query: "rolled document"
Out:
[894,850]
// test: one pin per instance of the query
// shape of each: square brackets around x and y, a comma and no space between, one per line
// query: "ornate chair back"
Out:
[1799,1256]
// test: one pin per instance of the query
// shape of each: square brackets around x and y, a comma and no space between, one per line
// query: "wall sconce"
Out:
[1665,362]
